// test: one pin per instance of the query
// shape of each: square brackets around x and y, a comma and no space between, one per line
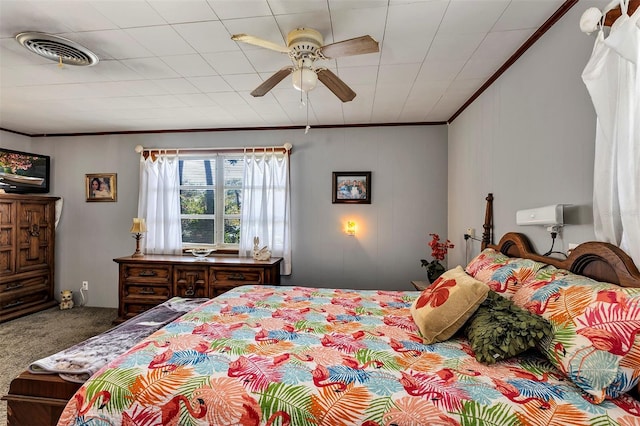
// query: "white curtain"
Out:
[612,79]
[265,208]
[159,204]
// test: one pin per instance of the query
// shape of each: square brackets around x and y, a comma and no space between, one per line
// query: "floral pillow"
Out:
[503,274]
[595,339]
[444,306]
[516,273]
[483,265]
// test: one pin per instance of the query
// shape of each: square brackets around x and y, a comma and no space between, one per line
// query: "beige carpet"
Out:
[27,339]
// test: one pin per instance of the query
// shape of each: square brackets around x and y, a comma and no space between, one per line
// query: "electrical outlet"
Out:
[471,232]
[85,285]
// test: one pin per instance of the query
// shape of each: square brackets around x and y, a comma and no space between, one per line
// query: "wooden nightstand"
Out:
[420,285]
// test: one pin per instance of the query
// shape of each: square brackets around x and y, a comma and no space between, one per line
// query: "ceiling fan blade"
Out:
[354,46]
[337,86]
[249,39]
[271,82]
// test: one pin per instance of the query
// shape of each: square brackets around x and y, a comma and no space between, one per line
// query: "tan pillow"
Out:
[444,306]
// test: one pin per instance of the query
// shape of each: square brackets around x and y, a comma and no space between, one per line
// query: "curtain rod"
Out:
[141,150]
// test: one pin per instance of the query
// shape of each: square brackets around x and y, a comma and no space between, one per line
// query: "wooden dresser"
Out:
[152,279]
[27,243]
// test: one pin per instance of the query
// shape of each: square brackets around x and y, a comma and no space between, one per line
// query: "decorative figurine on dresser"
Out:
[27,247]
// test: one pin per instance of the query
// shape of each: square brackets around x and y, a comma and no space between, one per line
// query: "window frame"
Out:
[219,215]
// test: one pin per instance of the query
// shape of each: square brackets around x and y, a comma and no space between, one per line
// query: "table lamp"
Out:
[139,226]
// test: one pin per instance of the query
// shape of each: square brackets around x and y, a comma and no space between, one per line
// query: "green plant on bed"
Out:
[499,329]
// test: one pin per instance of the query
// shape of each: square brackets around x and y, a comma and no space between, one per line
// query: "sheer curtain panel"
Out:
[159,204]
[612,79]
[265,208]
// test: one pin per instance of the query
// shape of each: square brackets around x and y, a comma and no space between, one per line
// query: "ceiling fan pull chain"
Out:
[306,129]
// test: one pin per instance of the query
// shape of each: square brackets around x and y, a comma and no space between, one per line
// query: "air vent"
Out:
[57,49]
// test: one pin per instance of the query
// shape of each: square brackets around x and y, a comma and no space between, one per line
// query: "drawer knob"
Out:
[147,290]
[238,276]
[190,291]
[148,273]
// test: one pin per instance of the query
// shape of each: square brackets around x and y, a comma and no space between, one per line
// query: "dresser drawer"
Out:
[232,277]
[146,291]
[19,300]
[146,274]
[24,285]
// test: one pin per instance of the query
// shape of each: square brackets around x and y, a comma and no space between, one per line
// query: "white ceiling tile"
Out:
[176,85]
[472,16]
[20,16]
[361,75]
[196,99]
[529,14]
[286,7]
[178,11]
[152,68]
[166,101]
[440,69]
[225,99]
[355,22]
[189,65]
[394,74]
[76,15]
[234,9]
[229,62]
[162,40]
[206,37]
[128,14]
[454,46]
[336,5]
[210,84]
[243,82]
[267,61]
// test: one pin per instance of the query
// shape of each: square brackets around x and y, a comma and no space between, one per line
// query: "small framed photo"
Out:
[101,187]
[352,187]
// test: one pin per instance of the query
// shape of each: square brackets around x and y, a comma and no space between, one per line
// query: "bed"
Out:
[299,355]
[280,355]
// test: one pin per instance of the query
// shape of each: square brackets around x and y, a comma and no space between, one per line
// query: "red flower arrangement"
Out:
[438,251]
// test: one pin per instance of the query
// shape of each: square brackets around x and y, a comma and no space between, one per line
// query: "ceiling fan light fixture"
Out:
[304,79]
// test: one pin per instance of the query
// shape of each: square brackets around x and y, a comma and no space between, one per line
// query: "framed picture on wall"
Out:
[351,187]
[101,187]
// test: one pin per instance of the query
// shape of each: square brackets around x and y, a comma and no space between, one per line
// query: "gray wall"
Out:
[529,139]
[409,169]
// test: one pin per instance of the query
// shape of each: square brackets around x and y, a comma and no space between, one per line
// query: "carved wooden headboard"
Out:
[597,260]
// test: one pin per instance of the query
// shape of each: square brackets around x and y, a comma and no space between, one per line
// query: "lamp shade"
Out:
[139,225]
[304,79]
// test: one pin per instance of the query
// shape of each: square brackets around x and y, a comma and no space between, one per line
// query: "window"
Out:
[210,200]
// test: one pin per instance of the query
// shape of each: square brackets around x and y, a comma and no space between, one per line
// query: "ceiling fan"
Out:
[304,47]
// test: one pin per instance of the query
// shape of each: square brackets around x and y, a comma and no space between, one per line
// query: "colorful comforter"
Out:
[263,355]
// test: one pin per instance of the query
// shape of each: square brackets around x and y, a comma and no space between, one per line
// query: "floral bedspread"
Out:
[263,355]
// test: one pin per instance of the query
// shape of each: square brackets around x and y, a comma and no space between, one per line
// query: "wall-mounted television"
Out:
[24,172]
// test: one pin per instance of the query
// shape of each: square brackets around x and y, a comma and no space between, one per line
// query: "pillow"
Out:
[596,338]
[444,306]
[499,329]
[483,265]
[517,272]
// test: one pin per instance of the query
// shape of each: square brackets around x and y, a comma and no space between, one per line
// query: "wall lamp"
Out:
[351,228]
